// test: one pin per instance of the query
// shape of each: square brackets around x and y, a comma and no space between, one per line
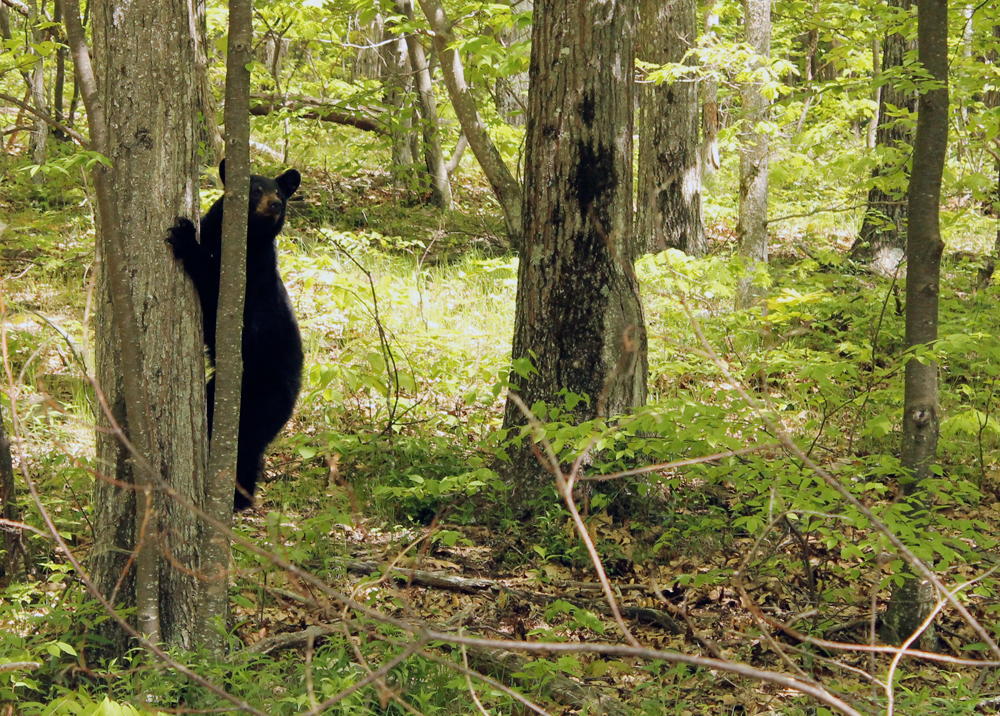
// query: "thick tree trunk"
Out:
[578,318]
[908,607]
[669,211]
[144,67]
[504,185]
[751,228]
[883,234]
[434,157]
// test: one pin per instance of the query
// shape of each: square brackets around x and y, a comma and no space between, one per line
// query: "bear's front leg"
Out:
[182,238]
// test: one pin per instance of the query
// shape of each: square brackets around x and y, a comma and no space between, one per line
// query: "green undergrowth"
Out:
[398,427]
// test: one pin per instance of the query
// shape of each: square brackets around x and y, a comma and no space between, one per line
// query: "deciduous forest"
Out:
[644,355]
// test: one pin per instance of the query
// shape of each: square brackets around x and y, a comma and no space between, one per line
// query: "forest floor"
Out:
[710,564]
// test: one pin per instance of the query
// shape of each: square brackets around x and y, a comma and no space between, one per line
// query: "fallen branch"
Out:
[466,585]
[501,664]
[314,108]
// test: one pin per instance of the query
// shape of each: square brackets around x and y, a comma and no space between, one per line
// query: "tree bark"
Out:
[221,485]
[141,106]
[908,607]
[511,92]
[39,96]
[710,161]
[669,211]
[13,542]
[578,314]
[751,228]
[396,83]
[441,188]
[505,186]
[882,237]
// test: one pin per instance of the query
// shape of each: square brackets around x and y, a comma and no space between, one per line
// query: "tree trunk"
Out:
[710,161]
[152,377]
[871,139]
[396,83]
[60,82]
[578,316]
[209,134]
[39,96]
[511,92]
[504,185]
[13,541]
[883,234]
[907,608]
[992,100]
[751,228]
[440,186]
[214,602]
[669,215]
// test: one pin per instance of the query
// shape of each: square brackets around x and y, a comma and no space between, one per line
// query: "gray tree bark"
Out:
[710,160]
[669,207]
[148,345]
[214,597]
[504,185]
[511,93]
[396,83]
[910,603]
[882,237]
[578,316]
[434,157]
[751,228]
[39,95]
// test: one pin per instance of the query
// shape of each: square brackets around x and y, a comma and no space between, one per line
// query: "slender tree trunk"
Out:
[911,602]
[39,97]
[883,234]
[992,101]
[209,135]
[710,161]
[214,603]
[13,542]
[669,211]
[872,137]
[505,186]
[60,82]
[436,166]
[396,81]
[578,318]
[141,104]
[511,92]
[751,228]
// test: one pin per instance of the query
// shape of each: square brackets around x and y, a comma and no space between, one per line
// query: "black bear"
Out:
[272,346]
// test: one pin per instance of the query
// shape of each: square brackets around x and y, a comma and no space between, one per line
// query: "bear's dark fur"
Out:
[272,347]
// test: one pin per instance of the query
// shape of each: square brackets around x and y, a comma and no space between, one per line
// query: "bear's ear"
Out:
[222,171]
[289,182]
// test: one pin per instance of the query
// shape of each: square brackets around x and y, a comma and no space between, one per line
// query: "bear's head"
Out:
[268,199]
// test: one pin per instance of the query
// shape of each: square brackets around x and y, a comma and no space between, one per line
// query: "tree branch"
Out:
[46,118]
[265,104]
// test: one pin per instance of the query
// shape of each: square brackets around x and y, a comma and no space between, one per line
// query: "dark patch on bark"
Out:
[143,137]
[550,131]
[595,176]
[588,108]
